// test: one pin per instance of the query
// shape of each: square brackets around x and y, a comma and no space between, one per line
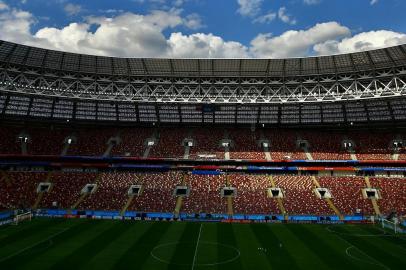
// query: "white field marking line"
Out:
[237,251]
[197,245]
[347,252]
[383,234]
[33,245]
[351,245]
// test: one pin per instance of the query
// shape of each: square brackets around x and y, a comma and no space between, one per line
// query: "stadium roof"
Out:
[16,54]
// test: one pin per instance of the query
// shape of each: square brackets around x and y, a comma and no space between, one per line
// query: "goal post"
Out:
[22,217]
[392,225]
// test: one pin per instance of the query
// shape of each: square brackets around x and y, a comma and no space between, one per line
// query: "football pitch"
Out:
[108,244]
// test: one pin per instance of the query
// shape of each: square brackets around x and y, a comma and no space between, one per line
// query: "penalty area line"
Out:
[350,245]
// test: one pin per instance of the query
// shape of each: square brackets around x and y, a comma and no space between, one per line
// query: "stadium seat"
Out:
[393,194]
[252,196]
[299,197]
[245,144]
[205,195]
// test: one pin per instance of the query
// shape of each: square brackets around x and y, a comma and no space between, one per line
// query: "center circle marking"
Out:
[236,255]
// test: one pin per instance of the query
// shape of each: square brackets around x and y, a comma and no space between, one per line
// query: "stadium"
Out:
[192,163]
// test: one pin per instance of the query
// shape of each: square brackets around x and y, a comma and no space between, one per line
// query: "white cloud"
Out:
[312,2]
[373,2]
[284,17]
[296,43]
[72,9]
[267,18]
[111,10]
[135,35]
[162,4]
[3,6]
[124,35]
[204,46]
[193,21]
[361,42]
[178,3]
[249,7]
[15,26]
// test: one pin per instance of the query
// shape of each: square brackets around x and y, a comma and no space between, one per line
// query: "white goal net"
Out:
[22,217]
[392,225]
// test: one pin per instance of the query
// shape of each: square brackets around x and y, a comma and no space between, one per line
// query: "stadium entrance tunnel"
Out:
[207,253]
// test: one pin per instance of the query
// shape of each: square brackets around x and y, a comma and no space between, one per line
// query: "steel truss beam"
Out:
[386,83]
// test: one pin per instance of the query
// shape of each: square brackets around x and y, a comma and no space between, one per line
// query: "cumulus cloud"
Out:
[15,25]
[124,35]
[267,18]
[3,6]
[249,8]
[205,46]
[297,43]
[72,9]
[285,17]
[361,42]
[136,35]
[193,21]
[314,2]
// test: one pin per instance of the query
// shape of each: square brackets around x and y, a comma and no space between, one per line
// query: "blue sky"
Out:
[205,28]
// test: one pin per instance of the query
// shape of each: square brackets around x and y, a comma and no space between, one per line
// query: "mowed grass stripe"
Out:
[25,229]
[207,253]
[110,244]
[107,257]
[397,242]
[92,246]
[276,255]
[172,235]
[182,257]
[35,236]
[247,243]
[26,258]
[305,257]
[390,250]
[225,235]
[317,241]
[66,243]
[376,254]
[138,253]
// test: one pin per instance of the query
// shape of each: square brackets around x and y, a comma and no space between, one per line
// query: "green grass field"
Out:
[106,244]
